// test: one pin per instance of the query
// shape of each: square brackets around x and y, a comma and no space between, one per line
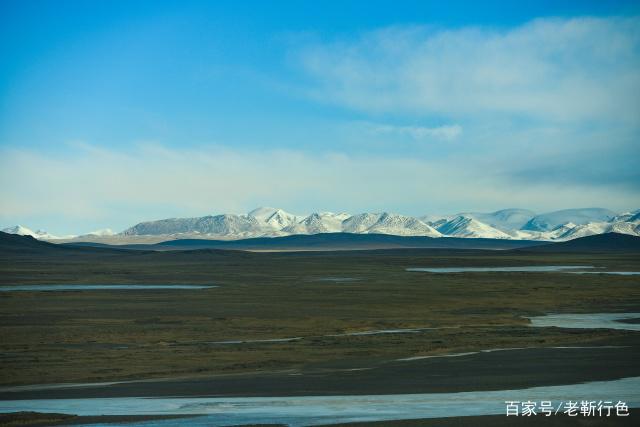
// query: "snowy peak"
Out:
[633,217]
[280,219]
[275,219]
[401,225]
[551,220]
[592,228]
[632,228]
[462,226]
[268,222]
[227,224]
[388,223]
[20,230]
[218,225]
[322,222]
[25,231]
[164,226]
[360,223]
[505,219]
[262,213]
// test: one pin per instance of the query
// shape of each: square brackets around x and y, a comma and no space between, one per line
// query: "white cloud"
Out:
[448,133]
[554,69]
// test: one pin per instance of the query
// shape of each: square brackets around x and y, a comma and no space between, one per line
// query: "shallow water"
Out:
[313,410]
[346,334]
[379,332]
[621,273]
[391,331]
[587,321]
[492,350]
[269,340]
[50,288]
[523,269]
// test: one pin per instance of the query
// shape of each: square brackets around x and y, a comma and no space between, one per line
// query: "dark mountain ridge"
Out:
[25,245]
[607,242]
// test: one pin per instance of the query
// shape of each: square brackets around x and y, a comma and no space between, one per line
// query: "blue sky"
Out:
[116,112]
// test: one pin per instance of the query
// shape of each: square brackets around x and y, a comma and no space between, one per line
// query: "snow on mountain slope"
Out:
[101,233]
[504,220]
[430,219]
[218,225]
[462,226]
[20,230]
[526,235]
[631,227]
[583,230]
[360,223]
[628,217]
[322,222]
[265,221]
[550,220]
[275,219]
[162,226]
[281,219]
[229,224]
[25,231]
[541,235]
[438,223]
[401,225]
[557,232]
[262,213]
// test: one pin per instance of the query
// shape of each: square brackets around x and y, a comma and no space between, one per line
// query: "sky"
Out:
[116,112]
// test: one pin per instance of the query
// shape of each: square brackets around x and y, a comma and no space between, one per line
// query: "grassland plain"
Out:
[98,336]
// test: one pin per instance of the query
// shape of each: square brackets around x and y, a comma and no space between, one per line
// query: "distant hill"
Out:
[608,242]
[338,241]
[27,245]
[16,245]
[11,244]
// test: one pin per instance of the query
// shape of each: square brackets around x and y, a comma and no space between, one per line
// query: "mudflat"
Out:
[199,341]
[499,370]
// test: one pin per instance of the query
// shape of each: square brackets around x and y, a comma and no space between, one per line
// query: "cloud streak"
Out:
[447,133]
[552,69]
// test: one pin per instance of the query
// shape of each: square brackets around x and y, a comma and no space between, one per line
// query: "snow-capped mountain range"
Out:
[43,235]
[517,224]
